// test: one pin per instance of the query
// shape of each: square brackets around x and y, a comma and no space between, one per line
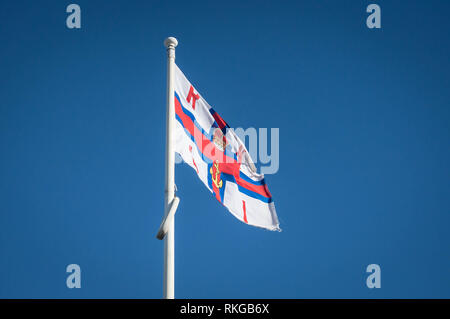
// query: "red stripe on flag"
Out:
[219,120]
[260,189]
[196,168]
[245,213]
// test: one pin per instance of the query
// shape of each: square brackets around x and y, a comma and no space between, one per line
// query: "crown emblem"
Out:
[219,139]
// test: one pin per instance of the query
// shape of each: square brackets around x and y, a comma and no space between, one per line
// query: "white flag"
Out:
[206,142]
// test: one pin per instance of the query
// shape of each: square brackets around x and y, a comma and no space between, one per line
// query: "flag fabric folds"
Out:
[206,143]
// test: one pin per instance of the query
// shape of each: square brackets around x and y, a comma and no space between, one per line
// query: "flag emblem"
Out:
[215,175]
[219,139]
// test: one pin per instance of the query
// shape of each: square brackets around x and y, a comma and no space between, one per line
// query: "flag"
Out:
[206,143]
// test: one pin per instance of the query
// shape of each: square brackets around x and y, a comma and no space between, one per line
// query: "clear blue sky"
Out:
[364,118]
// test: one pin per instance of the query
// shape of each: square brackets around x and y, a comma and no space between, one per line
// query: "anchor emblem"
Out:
[215,174]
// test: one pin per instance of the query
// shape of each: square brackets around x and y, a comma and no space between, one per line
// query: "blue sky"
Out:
[364,125]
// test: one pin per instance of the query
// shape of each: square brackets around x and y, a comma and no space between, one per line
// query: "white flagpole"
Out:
[169,192]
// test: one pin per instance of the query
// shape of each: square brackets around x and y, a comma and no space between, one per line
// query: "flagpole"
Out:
[169,192]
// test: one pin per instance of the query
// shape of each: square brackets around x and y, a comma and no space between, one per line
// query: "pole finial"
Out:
[170,42]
